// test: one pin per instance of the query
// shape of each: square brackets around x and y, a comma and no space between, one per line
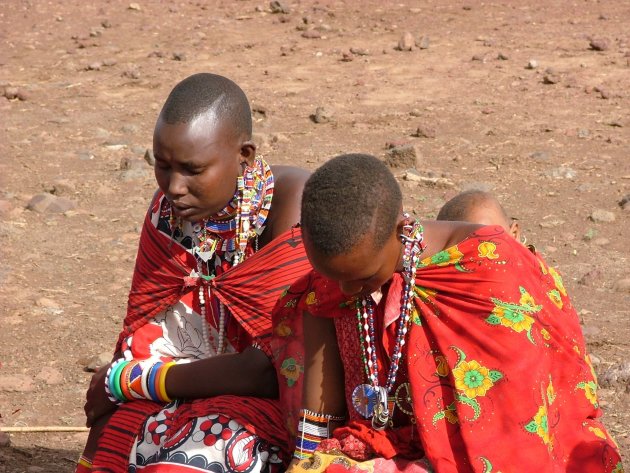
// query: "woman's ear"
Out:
[248,152]
[400,225]
[515,231]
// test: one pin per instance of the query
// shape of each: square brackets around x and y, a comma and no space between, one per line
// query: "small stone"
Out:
[95,362]
[130,162]
[424,42]
[424,131]
[602,216]
[601,241]
[412,175]
[106,24]
[134,6]
[603,92]
[599,44]
[551,77]
[16,383]
[402,157]
[311,34]
[481,57]
[590,331]
[617,374]
[62,187]
[502,57]
[179,56]
[5,440]
[110,62]
[47,303]
[94,66]
[622,285]
[360,51]
[133,174]
[624,203]
[540,156]
[562,172]
[11,92]
[406,42]
[323,115]
[278,7]
[49,375]
[532,64]
[129,128]
[48,203]
[347,57]
[591,277]
[5,207]
[595,360]
[149,157]
[583,133]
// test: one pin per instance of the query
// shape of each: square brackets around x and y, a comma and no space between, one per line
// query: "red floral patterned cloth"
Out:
[499,377]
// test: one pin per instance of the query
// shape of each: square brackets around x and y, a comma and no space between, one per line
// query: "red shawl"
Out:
[500,380]
[248,290]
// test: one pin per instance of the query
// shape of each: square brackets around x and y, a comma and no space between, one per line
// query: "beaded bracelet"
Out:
[128,380]
[108,390]
[312,429]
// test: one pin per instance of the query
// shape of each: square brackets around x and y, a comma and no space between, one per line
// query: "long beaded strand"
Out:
[413,247]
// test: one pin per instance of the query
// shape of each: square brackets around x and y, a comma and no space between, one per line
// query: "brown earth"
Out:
[85,81]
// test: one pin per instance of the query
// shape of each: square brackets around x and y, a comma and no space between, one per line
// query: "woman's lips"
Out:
[183,210]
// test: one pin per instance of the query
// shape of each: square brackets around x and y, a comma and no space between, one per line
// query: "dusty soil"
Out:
[84,82]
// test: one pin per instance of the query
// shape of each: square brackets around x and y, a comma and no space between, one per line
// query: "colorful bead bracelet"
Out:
[128,380]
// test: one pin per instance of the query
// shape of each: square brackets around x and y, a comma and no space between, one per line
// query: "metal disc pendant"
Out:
[364,399]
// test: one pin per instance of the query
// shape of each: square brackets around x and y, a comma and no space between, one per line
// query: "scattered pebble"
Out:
[602,216]
[540,156]
[134,6]
[551,76]
[624,203]
[406,42]
[278,7]
[94,66]
[16,383]
[502,57]
[48,203]
[95,362]
[49,375]
[424,131]
[622,285]
[599,44]
[149,157]
[402,157]
[179,56]
[601,241]
[424,42]
[590,331]
[532,64]
[616,375]
[583,133]
[591,278]
[13,93]
[603,92]
[311,34]
[323,115]
[562,172]
[481,57]
[360,51]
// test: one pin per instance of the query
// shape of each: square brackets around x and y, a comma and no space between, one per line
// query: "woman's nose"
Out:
[177,185]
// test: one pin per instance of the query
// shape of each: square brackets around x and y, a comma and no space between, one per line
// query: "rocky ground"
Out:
[527,99]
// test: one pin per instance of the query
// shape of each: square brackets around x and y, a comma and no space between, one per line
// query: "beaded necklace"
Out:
[224,238]
[370,399]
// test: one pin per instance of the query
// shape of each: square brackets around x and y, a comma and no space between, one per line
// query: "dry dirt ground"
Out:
[530,99]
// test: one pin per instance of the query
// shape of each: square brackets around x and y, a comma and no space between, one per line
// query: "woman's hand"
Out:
[97,403]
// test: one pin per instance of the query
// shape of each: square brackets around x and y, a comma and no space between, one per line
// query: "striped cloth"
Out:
[249,290]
